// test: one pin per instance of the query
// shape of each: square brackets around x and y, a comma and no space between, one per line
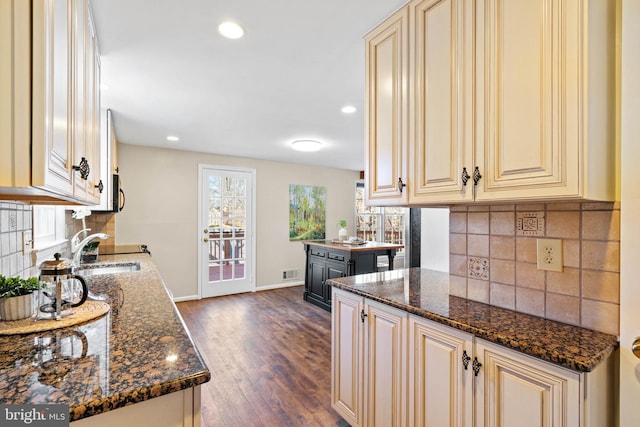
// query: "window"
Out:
[379,224]
[48,225]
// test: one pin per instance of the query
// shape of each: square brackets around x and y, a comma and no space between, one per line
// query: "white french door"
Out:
[227,222]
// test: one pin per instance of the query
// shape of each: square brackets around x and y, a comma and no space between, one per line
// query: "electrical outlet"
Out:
[27,242]
[549,254]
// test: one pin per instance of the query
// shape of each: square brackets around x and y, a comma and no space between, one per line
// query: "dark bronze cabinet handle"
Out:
[83,168]
[476,366]
[465,360]
[362,315]
[465,177]
[100,186]
[476,176]
[401,184]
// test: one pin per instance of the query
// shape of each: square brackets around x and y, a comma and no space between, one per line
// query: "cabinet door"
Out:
[53,75]
[385,374]
[516,390]
[334,271]
[82,99]
[315,286]
[441,141]
[386,59]
[346,354]
[530,123]
[440,386]
[92,116]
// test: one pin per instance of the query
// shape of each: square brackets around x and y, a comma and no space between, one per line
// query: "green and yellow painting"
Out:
[307,215]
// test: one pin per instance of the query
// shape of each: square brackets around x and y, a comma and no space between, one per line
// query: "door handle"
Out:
[635,347]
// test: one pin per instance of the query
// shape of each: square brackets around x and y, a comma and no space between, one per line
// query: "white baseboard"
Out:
[186,298]
[278,285]
[259,288]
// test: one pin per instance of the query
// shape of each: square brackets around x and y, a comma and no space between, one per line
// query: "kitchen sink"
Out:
[97,269]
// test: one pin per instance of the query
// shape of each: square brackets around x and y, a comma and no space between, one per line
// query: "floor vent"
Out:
[290,274]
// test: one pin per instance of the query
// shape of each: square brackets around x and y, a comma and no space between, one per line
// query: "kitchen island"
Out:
[329,259]
[136,365]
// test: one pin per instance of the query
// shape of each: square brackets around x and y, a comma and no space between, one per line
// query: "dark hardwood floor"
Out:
[269,354]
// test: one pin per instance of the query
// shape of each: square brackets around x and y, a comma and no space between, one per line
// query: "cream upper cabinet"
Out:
[95,186]
[441,148]
[508,100]
[545,99]
[368,370]
[47,122]
[53,90]
[386,102]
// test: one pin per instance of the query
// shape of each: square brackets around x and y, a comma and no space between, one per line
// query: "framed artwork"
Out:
[307,213]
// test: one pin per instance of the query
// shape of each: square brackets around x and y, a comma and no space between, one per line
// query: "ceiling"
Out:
[169,72]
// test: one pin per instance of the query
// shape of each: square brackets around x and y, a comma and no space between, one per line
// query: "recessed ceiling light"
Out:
[306,145]
[172,138]
[231,30]
[348,109]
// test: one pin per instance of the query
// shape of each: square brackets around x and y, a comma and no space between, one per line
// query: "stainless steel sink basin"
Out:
[108,269]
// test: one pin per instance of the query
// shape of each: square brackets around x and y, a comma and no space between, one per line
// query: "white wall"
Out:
[161,210]
[434,238]
[629,369]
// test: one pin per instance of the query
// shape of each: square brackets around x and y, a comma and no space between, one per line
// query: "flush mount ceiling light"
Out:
[306,145]
[172,138]
[230,30]
[348,109]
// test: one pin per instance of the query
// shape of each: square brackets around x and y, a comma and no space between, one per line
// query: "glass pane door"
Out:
[226,216]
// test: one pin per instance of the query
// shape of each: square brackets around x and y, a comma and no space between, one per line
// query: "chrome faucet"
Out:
[76,249]
[75,240]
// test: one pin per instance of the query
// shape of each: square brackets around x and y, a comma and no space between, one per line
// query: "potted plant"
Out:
[342,230]
[17,297]
[90,251]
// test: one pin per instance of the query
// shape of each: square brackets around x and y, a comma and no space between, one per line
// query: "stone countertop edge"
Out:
[345,246]
[572,347]
[142,328]
[141,394]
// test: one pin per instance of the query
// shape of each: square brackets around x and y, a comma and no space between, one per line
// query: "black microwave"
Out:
[117,200]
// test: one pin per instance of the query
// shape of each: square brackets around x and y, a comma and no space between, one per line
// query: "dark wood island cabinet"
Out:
[329,260]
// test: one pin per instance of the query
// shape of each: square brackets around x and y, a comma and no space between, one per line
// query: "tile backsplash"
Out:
[15,218]
[493,260]
[97,222]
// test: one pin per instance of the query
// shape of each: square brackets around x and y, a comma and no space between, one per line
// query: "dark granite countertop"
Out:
[426,293]
[141,349]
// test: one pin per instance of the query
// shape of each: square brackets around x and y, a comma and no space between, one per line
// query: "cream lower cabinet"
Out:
[440,375]
[458,380]
[391,368]
[178,409]
[368,386]
[513,389]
